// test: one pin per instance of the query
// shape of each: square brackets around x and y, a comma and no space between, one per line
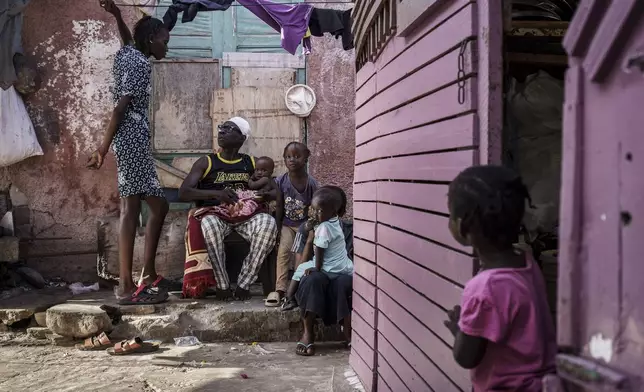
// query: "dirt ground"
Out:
[213,367]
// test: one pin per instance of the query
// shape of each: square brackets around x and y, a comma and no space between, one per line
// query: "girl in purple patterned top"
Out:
[296,188]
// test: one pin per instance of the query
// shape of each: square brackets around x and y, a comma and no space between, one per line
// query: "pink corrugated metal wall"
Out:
[413,136]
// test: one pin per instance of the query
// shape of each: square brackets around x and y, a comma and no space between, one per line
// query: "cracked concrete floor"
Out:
[212,367]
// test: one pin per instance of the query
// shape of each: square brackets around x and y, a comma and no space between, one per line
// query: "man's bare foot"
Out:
[242,294]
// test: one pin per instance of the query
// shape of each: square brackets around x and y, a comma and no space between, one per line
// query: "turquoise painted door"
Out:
[212,33]
[194,39]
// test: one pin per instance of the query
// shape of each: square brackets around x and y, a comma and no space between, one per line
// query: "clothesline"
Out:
[239,5]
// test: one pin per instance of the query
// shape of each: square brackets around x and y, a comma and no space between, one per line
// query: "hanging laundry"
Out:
[336,22]
[10,38]
[306,42]
[190,8]
[291,21]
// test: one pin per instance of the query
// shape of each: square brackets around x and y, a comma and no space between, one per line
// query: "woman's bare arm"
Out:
[124,31]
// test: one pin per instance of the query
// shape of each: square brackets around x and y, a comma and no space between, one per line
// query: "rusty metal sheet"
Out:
[180,104]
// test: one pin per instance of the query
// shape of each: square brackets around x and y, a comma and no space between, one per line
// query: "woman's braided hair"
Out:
[492,197]
[145,28]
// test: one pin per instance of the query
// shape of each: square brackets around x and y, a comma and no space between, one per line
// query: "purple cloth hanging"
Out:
[291,21]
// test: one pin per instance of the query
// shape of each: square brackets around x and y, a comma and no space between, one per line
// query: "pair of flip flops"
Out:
[132,346]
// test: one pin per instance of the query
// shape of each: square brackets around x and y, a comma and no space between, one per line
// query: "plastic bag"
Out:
[16,130]
[79,288]
[187,341]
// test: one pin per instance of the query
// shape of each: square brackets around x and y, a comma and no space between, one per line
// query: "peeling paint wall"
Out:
[73,44]
[331,126]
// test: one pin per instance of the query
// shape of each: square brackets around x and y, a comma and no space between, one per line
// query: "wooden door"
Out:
[600,307]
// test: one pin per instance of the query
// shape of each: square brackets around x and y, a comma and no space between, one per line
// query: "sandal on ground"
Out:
[289,305]
[134,346]
[145,295]
[99,342]
[305,350]
[273,300]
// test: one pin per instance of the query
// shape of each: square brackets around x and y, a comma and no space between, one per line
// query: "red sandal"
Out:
[145,295]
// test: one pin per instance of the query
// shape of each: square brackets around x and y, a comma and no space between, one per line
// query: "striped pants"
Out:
[260,231]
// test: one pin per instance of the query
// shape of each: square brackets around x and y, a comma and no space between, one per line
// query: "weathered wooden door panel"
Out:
[601,313]
[180,105]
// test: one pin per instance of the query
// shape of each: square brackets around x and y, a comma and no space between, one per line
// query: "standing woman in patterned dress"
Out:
[129,134]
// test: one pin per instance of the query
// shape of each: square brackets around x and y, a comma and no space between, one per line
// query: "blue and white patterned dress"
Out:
[135,166]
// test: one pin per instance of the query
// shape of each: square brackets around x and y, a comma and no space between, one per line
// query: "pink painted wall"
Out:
[331,74]
[600,311]
[412,138]
[72,43]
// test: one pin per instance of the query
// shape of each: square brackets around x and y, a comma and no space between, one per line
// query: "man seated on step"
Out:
[218,183]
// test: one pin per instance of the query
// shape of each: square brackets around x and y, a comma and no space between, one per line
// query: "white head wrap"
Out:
[242,124]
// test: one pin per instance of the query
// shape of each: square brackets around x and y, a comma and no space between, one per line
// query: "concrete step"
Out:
[207,319]
[214,321]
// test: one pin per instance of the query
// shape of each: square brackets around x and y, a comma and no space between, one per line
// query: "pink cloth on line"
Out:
[508,307]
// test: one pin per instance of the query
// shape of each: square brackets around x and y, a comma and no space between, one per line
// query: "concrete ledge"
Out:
[208,320]
[212,321]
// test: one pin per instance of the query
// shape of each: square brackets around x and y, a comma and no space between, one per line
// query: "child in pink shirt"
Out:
[503,329]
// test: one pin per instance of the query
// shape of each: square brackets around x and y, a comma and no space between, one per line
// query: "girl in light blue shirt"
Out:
[330,251]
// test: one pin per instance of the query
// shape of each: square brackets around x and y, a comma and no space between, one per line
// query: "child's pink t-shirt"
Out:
[508,307]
